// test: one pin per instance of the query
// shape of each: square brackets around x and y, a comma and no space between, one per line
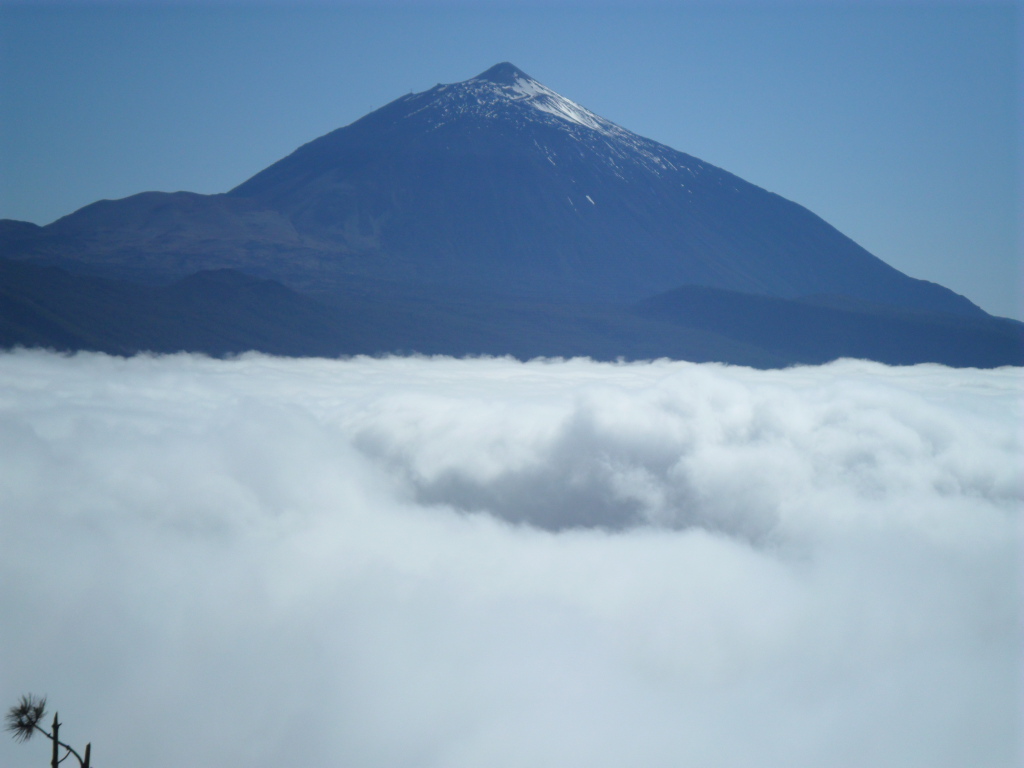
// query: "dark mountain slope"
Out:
[157,236]
[819,329]
[223,311]
[216,312]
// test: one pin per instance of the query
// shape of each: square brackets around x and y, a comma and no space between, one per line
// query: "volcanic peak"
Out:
[504,90]
[504,73]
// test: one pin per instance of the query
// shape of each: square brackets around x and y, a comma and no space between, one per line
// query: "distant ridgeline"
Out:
[491,216]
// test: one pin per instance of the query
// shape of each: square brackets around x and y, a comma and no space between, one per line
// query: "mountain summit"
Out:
[505,73]
[499,189]
[504,90]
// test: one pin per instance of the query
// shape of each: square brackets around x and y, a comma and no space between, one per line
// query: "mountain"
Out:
[223,312]
[817,329]
[492,214]
[218,312]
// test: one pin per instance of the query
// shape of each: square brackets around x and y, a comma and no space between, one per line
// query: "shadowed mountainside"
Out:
[225,312]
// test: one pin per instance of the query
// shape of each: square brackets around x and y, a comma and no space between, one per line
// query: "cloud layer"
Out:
[455,563]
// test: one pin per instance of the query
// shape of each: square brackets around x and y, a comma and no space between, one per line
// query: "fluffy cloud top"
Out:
[462,563]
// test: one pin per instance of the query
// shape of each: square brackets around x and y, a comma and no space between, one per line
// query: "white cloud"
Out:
[270,562]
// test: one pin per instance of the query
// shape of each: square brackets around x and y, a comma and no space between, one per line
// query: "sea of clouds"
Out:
[440,563]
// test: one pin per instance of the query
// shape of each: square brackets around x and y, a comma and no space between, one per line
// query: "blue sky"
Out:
[899,123]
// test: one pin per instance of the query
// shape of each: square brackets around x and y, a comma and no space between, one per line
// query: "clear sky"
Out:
[898,122]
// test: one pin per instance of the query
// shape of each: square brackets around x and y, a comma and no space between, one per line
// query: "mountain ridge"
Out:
[226,312]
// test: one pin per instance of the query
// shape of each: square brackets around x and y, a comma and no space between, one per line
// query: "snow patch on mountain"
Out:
[506,93]
[542,98]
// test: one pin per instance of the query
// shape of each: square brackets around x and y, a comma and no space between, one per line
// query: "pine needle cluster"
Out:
[23,718]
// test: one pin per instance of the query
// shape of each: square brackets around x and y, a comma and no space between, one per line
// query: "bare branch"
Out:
[23,720]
